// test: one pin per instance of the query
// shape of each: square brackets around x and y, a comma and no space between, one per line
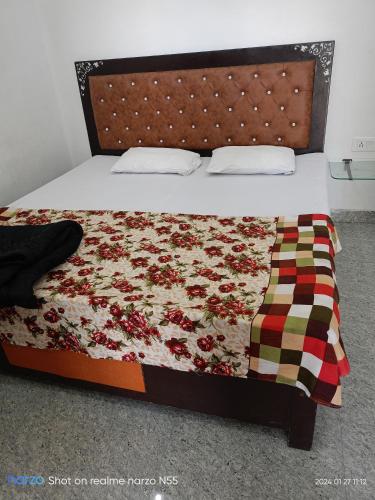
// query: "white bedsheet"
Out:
[92,186]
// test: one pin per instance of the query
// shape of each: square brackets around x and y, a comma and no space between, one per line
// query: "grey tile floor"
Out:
[65,432]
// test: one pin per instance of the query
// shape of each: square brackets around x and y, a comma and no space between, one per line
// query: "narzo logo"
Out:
[25,480]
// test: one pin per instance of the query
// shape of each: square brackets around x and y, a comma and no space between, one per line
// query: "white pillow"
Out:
[158,160]
[252,160]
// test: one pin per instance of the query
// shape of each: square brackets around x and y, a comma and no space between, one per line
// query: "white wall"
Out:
[94,29]
[33,147]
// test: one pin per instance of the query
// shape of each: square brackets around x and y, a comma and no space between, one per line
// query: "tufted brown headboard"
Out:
[200,101]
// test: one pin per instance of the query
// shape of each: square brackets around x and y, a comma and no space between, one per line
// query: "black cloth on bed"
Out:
[28,252]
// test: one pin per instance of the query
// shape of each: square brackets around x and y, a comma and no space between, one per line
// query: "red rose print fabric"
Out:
[170,290]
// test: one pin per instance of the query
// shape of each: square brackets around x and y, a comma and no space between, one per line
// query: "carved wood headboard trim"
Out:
[264,95]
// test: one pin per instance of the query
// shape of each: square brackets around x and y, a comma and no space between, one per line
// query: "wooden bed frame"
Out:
[247,399]
[250,400]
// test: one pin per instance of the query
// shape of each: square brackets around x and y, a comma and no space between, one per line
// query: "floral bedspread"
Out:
[194,293]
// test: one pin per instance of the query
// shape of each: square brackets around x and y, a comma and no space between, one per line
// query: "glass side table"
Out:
[348,169]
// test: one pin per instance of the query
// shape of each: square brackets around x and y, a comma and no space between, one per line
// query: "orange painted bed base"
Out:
[124,375]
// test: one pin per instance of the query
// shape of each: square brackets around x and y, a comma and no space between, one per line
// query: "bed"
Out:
[214,343]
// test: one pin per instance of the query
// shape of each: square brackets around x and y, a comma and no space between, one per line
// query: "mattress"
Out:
[91,186]
[158,280]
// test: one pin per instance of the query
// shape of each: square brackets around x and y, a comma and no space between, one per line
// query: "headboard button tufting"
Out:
[177,108]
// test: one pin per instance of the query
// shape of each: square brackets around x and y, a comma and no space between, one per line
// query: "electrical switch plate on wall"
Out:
[363,144]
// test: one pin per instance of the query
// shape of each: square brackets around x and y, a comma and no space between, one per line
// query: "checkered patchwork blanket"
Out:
[295,337]
[231,296]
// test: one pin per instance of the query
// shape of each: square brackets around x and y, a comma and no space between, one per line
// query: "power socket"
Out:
[363,144]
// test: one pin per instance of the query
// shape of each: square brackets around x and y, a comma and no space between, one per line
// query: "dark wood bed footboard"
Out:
[249,400]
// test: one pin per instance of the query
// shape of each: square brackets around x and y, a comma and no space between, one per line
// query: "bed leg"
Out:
[301,421]
[4,363]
